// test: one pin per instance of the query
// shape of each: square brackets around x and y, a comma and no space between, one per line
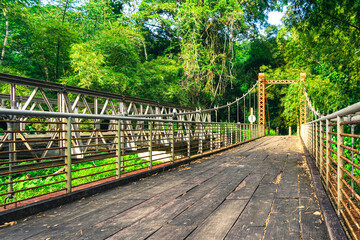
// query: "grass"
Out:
[78,170]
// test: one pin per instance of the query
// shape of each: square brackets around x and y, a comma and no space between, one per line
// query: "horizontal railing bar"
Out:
[352,109]
[16,112]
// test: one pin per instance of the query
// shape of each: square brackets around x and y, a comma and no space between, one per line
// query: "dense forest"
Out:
[198,53]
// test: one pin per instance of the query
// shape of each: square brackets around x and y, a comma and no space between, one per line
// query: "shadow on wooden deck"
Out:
[260,190]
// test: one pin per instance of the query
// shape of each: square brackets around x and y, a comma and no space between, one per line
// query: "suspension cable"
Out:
[313,110]
[204,110]
[244,110]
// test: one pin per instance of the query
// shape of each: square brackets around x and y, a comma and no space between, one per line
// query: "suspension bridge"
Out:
[84,164]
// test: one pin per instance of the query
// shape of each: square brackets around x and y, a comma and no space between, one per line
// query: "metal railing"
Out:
[56,153]
[37,95]
[333,141]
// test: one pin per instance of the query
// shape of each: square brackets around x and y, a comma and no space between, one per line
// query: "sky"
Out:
[275,18]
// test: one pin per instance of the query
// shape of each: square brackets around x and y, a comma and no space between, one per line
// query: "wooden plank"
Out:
[148,225]
[116,216]
[312,223]
[154,221]
[247,187]
[284,220]
[220,221]
[201,209]
[200,178]
[265,191]
[247,233]
[57,216]
[116,223]
[74,228]
[172,231]
[255,214]
[289,187]
[288,190]
[203,206]
[271,176]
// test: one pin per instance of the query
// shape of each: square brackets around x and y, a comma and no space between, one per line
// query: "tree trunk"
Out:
[145,52]
[6,38]
[58,42]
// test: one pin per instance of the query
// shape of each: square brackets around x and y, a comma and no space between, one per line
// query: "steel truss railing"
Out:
[36,95]
[56,153]
[333,142]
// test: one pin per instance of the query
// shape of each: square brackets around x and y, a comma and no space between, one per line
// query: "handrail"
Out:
[20,113]
[334,146]
[352,109]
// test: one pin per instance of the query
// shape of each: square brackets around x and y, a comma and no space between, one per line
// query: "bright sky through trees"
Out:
[275,18]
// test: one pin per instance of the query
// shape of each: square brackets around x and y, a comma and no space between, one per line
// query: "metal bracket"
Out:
[8,197]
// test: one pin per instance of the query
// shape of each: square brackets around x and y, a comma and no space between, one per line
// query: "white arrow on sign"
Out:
[252,118]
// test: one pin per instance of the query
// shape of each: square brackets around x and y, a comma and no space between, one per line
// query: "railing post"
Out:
[340,163]
[200,138]
[328,137]
[150,144]
[352,130]
[173,142]
[211,137]
[248,131]
[316,145]
[12,158]
[254,130]
[237,132]
[312,140]
[240,135]
[245,132]
[118,151]
[231,134]
[219,135]
[189,141]
[68,160]
[321,154]
[226,135]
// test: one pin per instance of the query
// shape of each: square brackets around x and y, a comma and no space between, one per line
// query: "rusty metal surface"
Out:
[338,163]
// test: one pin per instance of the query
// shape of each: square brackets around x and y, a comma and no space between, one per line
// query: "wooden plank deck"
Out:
[260,190]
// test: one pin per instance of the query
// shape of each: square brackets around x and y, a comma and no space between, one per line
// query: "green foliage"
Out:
[197,53]
[208,30]
[47,184]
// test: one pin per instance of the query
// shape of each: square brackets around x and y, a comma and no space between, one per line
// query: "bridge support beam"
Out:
[262,97]
[261,101]
[302,100]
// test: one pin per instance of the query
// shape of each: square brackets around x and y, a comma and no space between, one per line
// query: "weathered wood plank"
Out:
[289,187]
[312,224]
[247,233]
[172,232]
[254,214]
[265,190]
[201,209]
[218,223]
[284,220]
[247,187]
[118,215]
